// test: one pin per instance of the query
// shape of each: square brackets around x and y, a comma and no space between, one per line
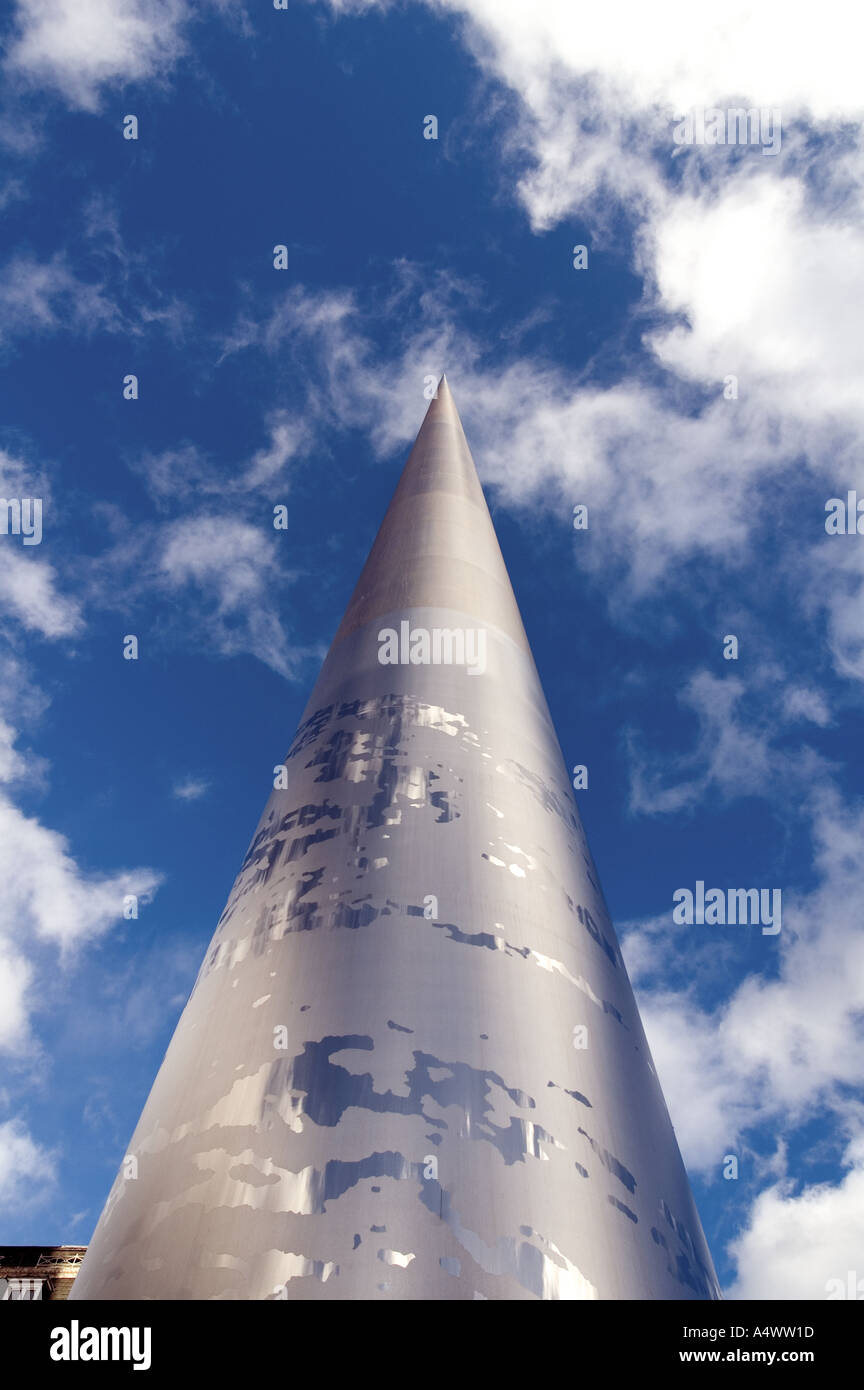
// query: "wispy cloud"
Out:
[45,296]
[737,751]
[184,474]
[28,1170]
[190,789]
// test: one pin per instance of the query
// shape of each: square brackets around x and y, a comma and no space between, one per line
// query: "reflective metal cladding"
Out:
[412,1066]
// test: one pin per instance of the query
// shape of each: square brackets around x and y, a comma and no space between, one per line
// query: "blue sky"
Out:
[304,387]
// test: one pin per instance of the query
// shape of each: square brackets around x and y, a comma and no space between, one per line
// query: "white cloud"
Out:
[752,265]
[11,192]
[45,892]
[778,1045]
[176,474]
[80,48]
[236,569]
[49,296]
[599,88]
[13,764]
[801,703]
[686,482]
[48,900]
[834,569]
[16,978]
[802,1030]
[712,1101]
[795,1244]
[28,590]
[183,473]
[229,556]
[190,789]
[44,296]
[20,701]
[783,1046]
[735,753]
[223,572]
[289,437]
[770,288]
[27,1170]
[77,46]
[770,53]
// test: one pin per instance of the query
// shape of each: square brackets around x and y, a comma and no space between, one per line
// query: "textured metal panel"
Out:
[373,1095]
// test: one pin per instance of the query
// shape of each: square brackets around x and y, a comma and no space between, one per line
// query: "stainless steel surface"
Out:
[373,1091]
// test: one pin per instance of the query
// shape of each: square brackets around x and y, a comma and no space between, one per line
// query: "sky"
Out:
[696,385]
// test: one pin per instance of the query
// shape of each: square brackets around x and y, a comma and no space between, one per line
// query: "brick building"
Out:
[29,1272]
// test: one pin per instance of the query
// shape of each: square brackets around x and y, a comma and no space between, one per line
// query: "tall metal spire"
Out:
[412,1066]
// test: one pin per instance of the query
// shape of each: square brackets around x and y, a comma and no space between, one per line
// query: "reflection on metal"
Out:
[383,1033]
